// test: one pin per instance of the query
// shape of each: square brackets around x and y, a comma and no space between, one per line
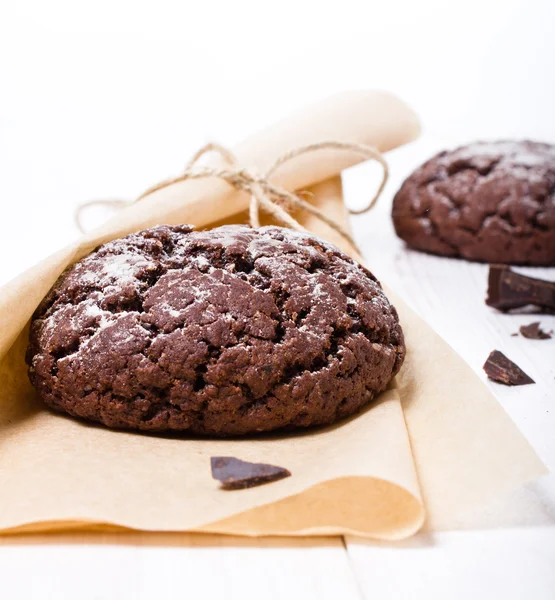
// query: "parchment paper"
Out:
[359,477]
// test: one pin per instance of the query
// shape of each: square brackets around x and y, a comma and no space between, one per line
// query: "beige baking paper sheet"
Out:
[368,476]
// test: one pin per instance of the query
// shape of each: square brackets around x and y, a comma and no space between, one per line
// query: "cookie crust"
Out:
[489,202]
[222,332]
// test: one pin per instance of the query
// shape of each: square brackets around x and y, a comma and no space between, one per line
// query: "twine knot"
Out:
[264,195]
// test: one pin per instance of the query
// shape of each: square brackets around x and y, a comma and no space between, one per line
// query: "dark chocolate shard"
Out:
[508,290]
[236,474]
[535,332]
[499,368]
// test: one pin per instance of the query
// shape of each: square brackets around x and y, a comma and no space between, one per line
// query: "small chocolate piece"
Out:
[508,290]
[236,474]
[535,332]
[499,368]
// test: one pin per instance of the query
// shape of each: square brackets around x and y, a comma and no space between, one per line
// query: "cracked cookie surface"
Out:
[488,201]
[222,332]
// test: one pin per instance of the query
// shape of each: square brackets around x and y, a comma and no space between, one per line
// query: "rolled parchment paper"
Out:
[56,472]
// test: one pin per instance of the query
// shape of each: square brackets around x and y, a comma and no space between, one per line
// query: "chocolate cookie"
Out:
[489,201]
[221,332]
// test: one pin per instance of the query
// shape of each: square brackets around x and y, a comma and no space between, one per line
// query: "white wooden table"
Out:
[512,558]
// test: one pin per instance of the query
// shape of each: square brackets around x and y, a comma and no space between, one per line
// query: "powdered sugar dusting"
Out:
[171,311]
[509,153]
[123,267]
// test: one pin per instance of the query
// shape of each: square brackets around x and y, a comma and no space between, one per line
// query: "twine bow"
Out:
[264,195]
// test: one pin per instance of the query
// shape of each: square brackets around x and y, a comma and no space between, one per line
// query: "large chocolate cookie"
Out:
[491,202]
[222,332]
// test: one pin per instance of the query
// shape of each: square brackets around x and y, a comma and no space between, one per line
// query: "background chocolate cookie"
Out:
[488,201]
[222,332]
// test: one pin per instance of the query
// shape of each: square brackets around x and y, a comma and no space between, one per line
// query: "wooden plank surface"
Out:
[166,566]
[510,551]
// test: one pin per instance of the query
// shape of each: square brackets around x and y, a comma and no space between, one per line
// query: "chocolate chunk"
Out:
[499,368]
[535,332]
[508,290]
[236,474]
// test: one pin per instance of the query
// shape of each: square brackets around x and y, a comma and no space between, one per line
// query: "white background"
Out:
[102,99]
